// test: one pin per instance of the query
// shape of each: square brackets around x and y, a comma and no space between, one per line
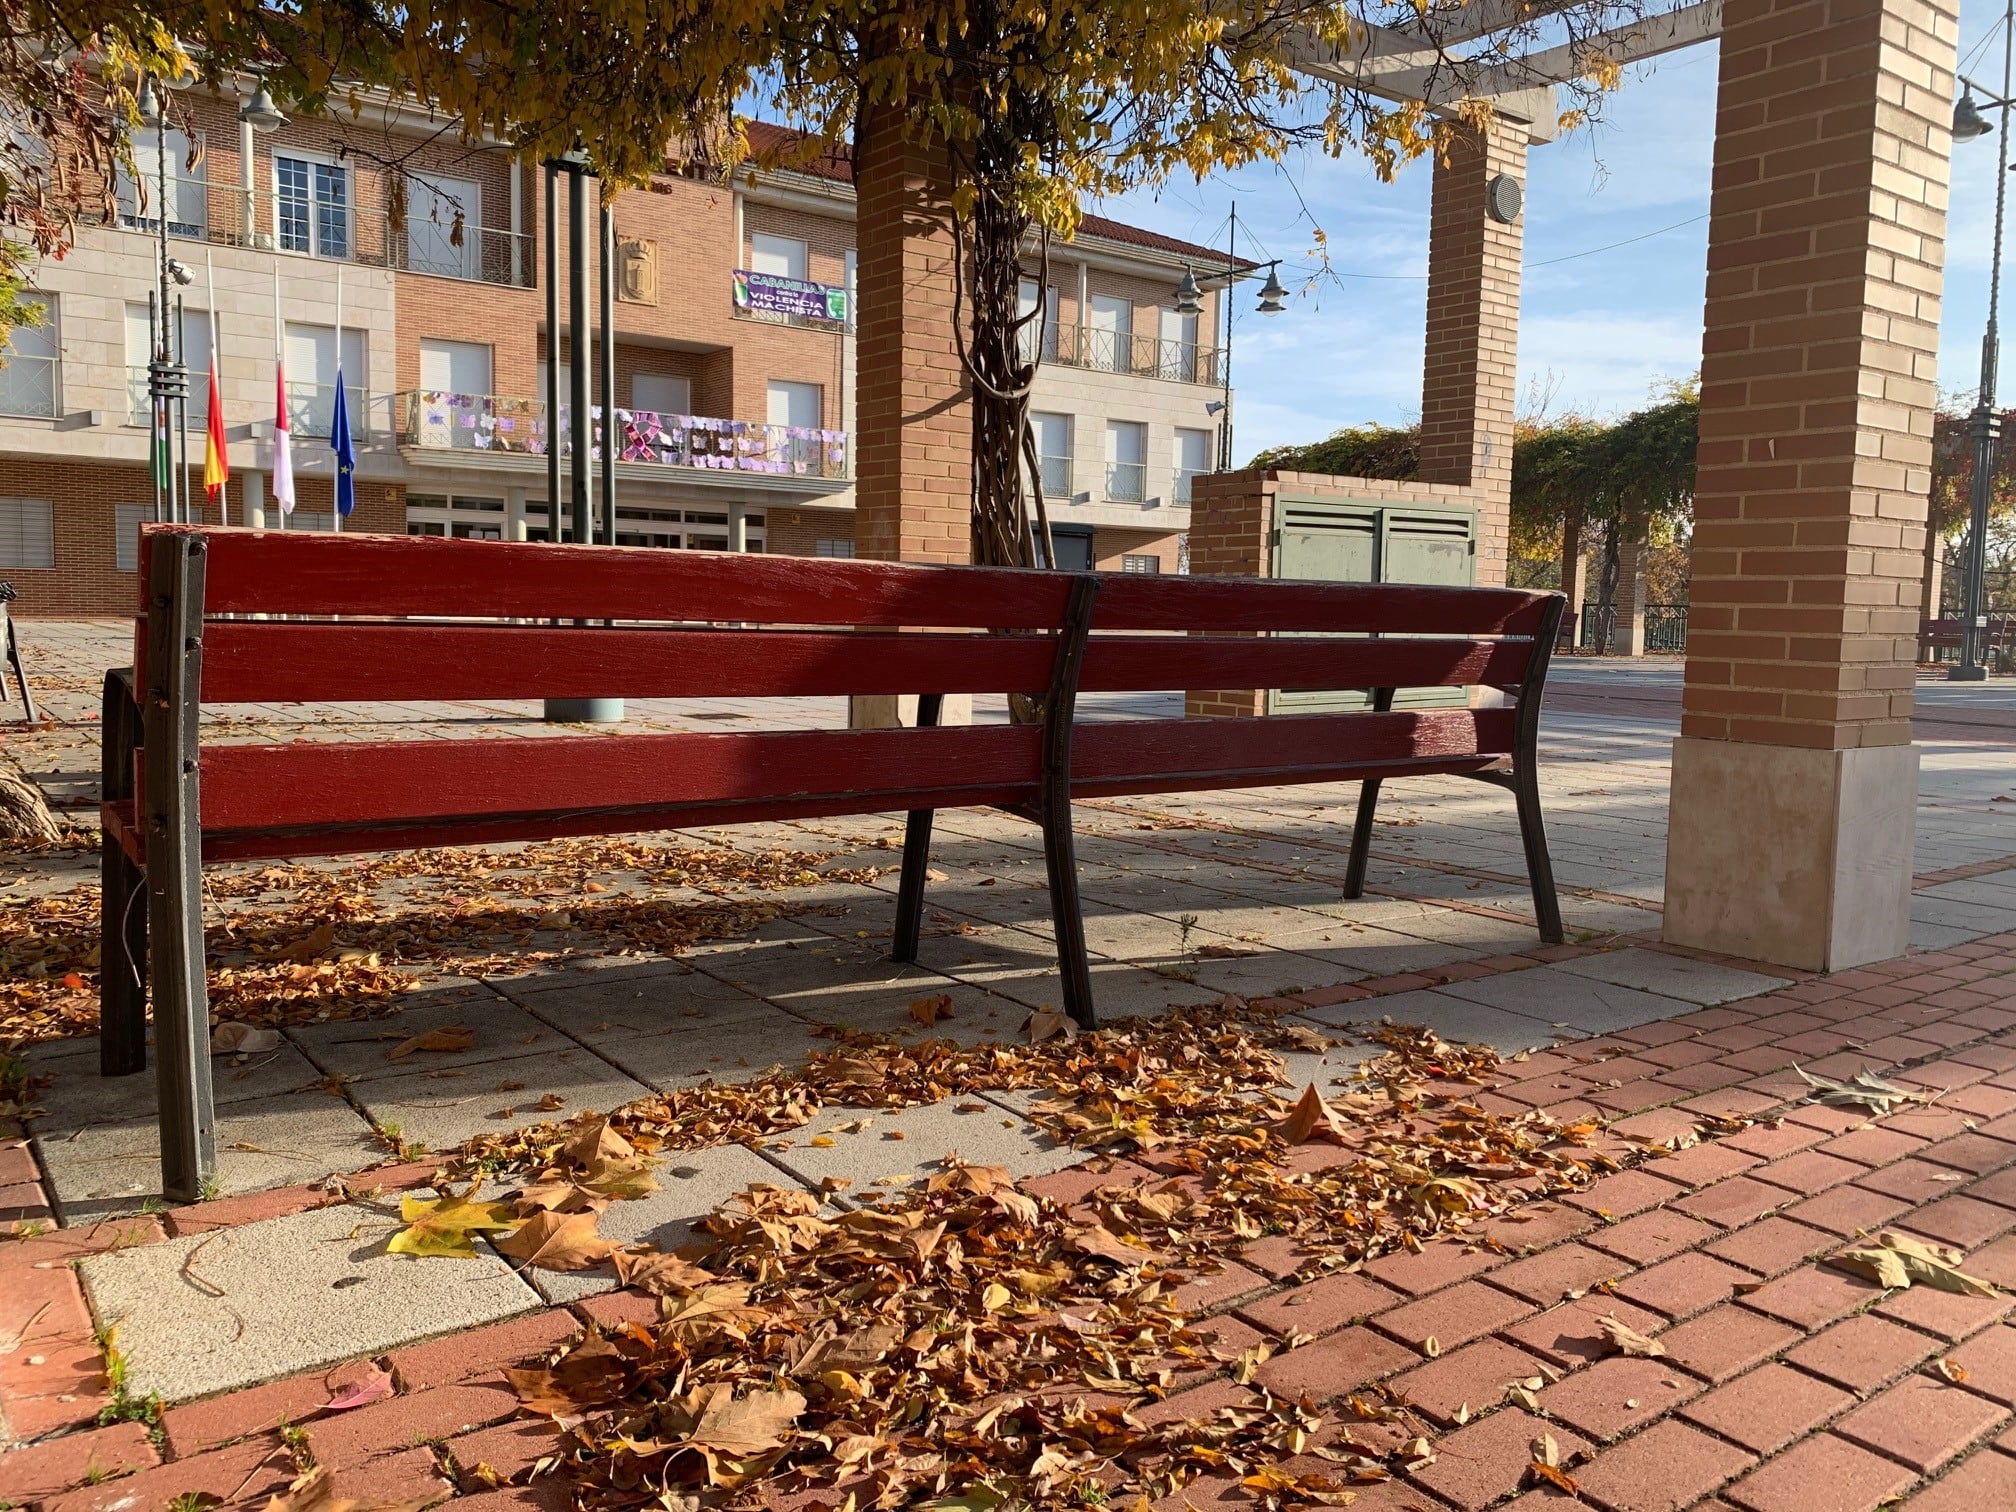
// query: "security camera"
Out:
[181,272]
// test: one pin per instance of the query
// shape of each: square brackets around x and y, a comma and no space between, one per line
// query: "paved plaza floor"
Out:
[1781,1386]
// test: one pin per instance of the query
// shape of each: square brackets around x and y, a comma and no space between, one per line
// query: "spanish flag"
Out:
[216,460]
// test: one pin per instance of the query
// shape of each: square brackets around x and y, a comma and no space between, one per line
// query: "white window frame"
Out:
[315,248]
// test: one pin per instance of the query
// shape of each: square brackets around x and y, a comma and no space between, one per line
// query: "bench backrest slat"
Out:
[260,661]
[313,575]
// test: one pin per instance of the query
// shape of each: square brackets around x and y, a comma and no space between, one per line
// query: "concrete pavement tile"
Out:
[1456,1019]
[109,1168]
[988,1135]
[737,1052]
[443,1106]
[1673,976]
[1565,999]
[670,1001]
[363,1050]
[77,1095]
[218,1311]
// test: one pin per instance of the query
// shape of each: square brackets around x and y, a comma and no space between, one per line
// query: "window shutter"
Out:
[27,533]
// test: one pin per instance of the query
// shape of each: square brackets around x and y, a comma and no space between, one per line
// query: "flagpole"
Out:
[283,450]
[335,487]
[216,365]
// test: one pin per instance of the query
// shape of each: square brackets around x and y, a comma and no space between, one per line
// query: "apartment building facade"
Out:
[733,355]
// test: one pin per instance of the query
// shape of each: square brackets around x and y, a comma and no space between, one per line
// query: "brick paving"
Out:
[1783,1385]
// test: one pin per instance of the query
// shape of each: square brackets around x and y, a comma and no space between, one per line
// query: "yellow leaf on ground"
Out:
[444,1226]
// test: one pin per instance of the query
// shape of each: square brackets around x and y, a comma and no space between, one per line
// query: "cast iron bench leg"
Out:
[1539,866]
[1368,808]
[1060,860]
[122,931]
[916,856]
[175,866]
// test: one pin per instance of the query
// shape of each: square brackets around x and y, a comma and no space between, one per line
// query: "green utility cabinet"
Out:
[1370,541]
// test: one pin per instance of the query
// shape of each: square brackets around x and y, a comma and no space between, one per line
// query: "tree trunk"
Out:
[23,814]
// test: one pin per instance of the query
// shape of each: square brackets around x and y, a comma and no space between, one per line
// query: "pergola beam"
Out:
[1401,65]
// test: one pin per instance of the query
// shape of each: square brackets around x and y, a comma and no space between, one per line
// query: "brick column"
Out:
[1627,634]
[1794,780]
[1231,534]
[913,442]
[1470,378]
[1571,572]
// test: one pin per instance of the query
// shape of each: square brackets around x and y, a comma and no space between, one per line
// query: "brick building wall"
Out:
[798,532]
[86,580]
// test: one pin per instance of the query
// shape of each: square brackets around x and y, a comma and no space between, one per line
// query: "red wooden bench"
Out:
[363,624]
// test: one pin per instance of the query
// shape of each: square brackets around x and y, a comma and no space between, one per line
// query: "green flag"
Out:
[158,449]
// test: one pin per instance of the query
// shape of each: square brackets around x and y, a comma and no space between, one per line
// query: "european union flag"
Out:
[346,452]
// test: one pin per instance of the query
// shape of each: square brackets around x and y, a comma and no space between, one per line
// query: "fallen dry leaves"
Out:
[295,944]
[962,1343]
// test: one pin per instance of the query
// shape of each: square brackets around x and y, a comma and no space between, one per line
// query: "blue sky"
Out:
[1600,332]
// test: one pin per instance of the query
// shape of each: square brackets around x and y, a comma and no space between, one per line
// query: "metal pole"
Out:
[552,374]
[167,336]
[606,302]
[181,421]
[157,423]
[1983,423]
[580,471]
[1231,281]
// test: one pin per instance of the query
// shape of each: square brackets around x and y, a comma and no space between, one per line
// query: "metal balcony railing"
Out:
[323,218]
[1122,352]
[432,420]
[1127,482]
[1182,490]
[32,387]
[1055,473]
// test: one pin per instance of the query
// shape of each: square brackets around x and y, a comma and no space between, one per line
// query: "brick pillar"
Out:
[1571,572]
[1794,779]
[1470,378]
[1231,531]
[913,426]
[1627,635]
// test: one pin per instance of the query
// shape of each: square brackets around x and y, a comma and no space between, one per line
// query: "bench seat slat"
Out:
[261,661]
[1139,601]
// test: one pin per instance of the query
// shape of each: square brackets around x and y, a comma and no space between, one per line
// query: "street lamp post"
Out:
[1272,293]
[1983,424]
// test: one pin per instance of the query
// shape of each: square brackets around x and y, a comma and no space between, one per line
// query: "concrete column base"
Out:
[1797,857]
[887,711]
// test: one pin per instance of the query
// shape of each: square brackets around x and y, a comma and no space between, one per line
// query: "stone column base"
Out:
[887,711]
[1801,858]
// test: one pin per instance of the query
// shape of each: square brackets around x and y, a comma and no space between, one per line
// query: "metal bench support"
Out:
[173,829]
[122,931]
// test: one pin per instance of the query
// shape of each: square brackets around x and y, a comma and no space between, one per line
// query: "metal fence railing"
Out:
[31,386]
[1665,627]
[322,217]
[1127,482]
[1108,351]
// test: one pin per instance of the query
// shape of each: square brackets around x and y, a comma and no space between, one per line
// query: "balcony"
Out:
[1105,351]
[434,421]
[1127,482]
[322,220]
[31,386]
